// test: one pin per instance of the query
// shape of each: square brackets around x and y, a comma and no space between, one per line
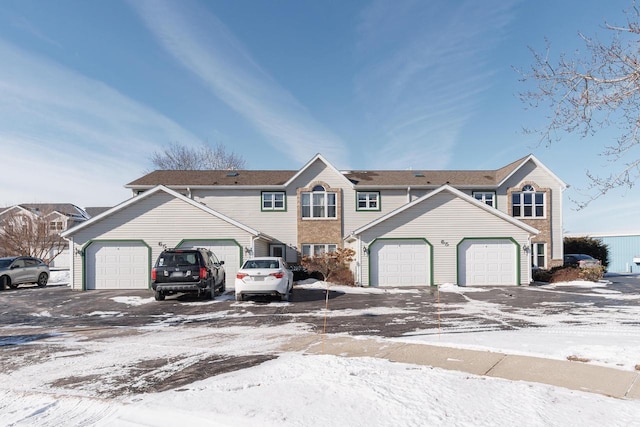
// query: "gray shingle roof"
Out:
[364,178]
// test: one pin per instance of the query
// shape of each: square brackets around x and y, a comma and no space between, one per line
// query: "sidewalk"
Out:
[562,373]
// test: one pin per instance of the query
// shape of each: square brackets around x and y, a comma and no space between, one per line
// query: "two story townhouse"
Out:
[407,227]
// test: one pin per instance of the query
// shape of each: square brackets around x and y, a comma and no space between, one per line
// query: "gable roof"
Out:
[146,194]
[355,178]
[506,172]
[318,157]
[66,209]
[456,193]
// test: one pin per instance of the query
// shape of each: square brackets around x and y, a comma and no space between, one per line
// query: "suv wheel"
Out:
[159,296]
[42,280]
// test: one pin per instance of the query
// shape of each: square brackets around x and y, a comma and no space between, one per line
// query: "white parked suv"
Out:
[266,276]
[18,270]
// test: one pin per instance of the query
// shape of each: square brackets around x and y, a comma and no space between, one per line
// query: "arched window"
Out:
[318,203]
[528,203]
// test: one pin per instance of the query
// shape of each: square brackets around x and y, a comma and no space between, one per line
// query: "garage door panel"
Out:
[487,262]
[117,265]
[400,263]
[225,250]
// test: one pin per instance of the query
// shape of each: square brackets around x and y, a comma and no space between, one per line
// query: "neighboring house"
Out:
[624,250]
[407,227]
[61,216]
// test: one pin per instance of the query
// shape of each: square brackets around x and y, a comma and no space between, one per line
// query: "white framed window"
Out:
[319,203]
[56,226]
[368,201]
[487,197]
[317,249]
[538,255]
[273,201]
[528,203]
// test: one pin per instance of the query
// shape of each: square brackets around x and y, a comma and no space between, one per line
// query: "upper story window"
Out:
[487,197]
[368,201]
[528,203]
[319,203]
[273,201]
[56,226]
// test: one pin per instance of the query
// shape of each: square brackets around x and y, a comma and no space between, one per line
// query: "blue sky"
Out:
[89,89]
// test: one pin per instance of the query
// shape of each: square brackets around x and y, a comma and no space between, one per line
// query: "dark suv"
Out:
[196,271]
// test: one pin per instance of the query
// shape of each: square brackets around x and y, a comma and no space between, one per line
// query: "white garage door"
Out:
[226,250]
[400,263]
[117,265]
[487,262]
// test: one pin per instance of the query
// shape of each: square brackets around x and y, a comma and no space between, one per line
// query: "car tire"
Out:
[43,278]
[239,297]
[159,296]
[3,282]
[287,296]
[223,288]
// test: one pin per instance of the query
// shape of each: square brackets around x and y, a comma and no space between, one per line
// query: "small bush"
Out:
[592,274]
[541,275]
[569,274]
[343,277]
[329,263]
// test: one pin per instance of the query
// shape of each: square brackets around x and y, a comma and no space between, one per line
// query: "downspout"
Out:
[189,195]
[72,251]
[408,194]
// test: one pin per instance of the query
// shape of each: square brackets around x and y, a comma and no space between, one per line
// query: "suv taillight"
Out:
[154,274]
[203,273]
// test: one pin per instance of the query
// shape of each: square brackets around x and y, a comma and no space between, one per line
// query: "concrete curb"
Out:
[561,373]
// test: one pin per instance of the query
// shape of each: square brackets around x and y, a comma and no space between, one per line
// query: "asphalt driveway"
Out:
[45,326]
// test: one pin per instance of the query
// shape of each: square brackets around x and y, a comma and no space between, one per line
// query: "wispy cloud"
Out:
[424,66]
[68,138]
[203,44]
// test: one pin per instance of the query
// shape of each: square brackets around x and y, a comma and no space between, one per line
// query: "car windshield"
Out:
[261,263]
[5,262]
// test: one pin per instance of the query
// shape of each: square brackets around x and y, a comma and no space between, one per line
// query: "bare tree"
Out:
[26,233]
[597,89]
[180,157]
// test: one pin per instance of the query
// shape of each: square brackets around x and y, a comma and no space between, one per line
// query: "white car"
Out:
[265,276]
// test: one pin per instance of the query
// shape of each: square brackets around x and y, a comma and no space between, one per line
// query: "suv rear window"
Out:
[177,259]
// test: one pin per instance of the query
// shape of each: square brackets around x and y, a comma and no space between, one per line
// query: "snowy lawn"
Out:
[293,389]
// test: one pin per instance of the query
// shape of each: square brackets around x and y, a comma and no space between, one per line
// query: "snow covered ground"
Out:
[293,389]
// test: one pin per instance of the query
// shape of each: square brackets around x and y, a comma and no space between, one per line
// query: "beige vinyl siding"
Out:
[353,219]
[531,173]
[318,171]
[157,219]
[245,206]
[444,221]
[261,248]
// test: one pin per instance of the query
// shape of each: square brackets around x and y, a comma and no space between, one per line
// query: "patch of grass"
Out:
[578,359]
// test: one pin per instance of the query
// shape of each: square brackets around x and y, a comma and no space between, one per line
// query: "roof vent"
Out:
[418,174]
[232,174]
